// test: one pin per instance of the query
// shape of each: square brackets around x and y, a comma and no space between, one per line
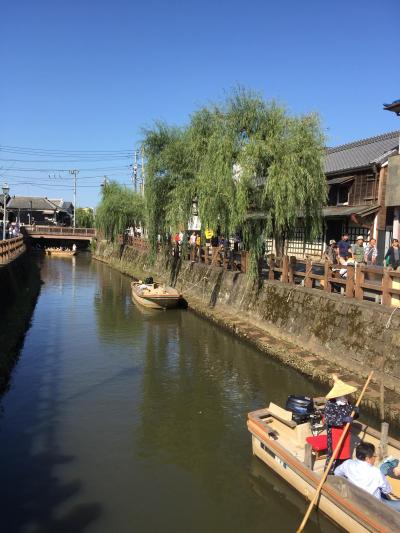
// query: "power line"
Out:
[52,169]
[20,149]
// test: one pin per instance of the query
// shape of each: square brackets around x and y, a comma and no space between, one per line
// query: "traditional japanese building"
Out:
[29,209]
[358,201]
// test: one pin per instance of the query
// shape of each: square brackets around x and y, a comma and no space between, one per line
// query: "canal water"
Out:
[121,420]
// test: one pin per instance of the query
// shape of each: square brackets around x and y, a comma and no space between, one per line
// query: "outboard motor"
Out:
[302,408]
[149,281]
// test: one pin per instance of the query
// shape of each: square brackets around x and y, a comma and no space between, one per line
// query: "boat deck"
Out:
[281,444]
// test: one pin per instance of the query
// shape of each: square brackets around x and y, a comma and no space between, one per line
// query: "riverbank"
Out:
[316,333]
[20,287]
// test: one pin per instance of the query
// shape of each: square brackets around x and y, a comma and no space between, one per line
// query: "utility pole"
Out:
[142,187]
[74,172]
[135,169]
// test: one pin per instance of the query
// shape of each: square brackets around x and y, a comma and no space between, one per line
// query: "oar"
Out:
[335,452]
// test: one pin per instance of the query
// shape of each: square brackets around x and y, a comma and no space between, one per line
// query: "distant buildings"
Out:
[29,209]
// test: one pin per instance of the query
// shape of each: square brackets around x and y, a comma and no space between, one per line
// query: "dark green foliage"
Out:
[84,217]
[250,165]
[119,209]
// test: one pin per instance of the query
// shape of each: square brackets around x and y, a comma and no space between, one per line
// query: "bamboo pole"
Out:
[335,452]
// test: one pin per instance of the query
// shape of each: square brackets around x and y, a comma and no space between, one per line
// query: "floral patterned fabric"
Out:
[335,416]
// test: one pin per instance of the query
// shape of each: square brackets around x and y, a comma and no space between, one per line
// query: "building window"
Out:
[339,195]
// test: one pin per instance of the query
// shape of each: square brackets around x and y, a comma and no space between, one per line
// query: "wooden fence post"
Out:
[327,272]
[350,282]
[386,286]
[308,282]
[291,269]
[285,266]
[271,264]
[360,278]
[243,261]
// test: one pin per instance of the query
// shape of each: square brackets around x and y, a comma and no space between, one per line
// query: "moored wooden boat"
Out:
[281,444]
[60,253]
[155,295]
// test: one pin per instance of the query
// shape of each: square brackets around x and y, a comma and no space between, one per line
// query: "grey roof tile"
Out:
[24,202]
[361,153]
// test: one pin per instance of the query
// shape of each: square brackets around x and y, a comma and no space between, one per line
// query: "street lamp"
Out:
[6,190]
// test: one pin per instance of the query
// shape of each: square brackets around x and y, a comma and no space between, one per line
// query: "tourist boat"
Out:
[281,444]
[155,295]
[60,253]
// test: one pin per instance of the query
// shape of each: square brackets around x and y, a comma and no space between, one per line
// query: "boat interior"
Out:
[153,289]
[280,427]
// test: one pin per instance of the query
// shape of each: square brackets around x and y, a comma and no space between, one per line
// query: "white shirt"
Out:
[365,476]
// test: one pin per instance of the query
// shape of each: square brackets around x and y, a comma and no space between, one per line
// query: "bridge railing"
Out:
[59,230]
[11,248]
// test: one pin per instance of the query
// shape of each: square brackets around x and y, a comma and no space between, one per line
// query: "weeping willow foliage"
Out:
[84,217]
[119,209]
[251,166]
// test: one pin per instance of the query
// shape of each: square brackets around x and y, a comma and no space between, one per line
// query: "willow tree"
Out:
[251,166]
[169,181]
[119,209]
[84,217]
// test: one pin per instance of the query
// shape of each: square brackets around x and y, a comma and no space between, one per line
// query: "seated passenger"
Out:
[390,467]
[362,473]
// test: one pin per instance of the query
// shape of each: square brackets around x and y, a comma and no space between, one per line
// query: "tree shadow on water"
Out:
[34,494]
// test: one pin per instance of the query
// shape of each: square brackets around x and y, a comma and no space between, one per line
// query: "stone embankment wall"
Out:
[315,332]
[19,287]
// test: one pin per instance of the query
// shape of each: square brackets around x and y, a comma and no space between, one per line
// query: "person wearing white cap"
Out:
[337,414]
[358,250]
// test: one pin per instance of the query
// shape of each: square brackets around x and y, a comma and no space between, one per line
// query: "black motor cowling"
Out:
[302,408]
[149,281]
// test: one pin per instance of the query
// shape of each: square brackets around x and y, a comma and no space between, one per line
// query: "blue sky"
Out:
[88,75]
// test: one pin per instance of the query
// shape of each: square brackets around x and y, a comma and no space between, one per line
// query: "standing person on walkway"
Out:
[371,252]
[331,252]
[337,414]
[198,245]
[358,250]
[392,256]
[344,246]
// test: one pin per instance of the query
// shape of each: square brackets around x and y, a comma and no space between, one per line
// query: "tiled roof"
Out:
[361,154]
[31,202]
[62,205]
[57,202]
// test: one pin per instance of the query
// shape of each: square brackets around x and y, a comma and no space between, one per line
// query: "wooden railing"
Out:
[137,242]
[60,230]
[380,284]
[227,259]
[10,249]
[360,281]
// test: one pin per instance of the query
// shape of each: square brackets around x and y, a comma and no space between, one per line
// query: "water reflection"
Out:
[123,420]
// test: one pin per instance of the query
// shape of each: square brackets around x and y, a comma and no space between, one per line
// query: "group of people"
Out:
[12,230]
[214,243]
[360,471]
[344,253]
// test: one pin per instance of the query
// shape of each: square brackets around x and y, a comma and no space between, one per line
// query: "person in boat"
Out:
[337,414]
[363,473]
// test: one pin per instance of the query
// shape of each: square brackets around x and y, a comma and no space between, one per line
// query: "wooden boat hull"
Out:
[350,507]
[56,253]
[167,301]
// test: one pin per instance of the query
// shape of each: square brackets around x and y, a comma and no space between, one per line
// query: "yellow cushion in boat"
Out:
[395,484]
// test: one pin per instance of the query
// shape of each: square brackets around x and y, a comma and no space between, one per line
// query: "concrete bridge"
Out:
[60,232]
